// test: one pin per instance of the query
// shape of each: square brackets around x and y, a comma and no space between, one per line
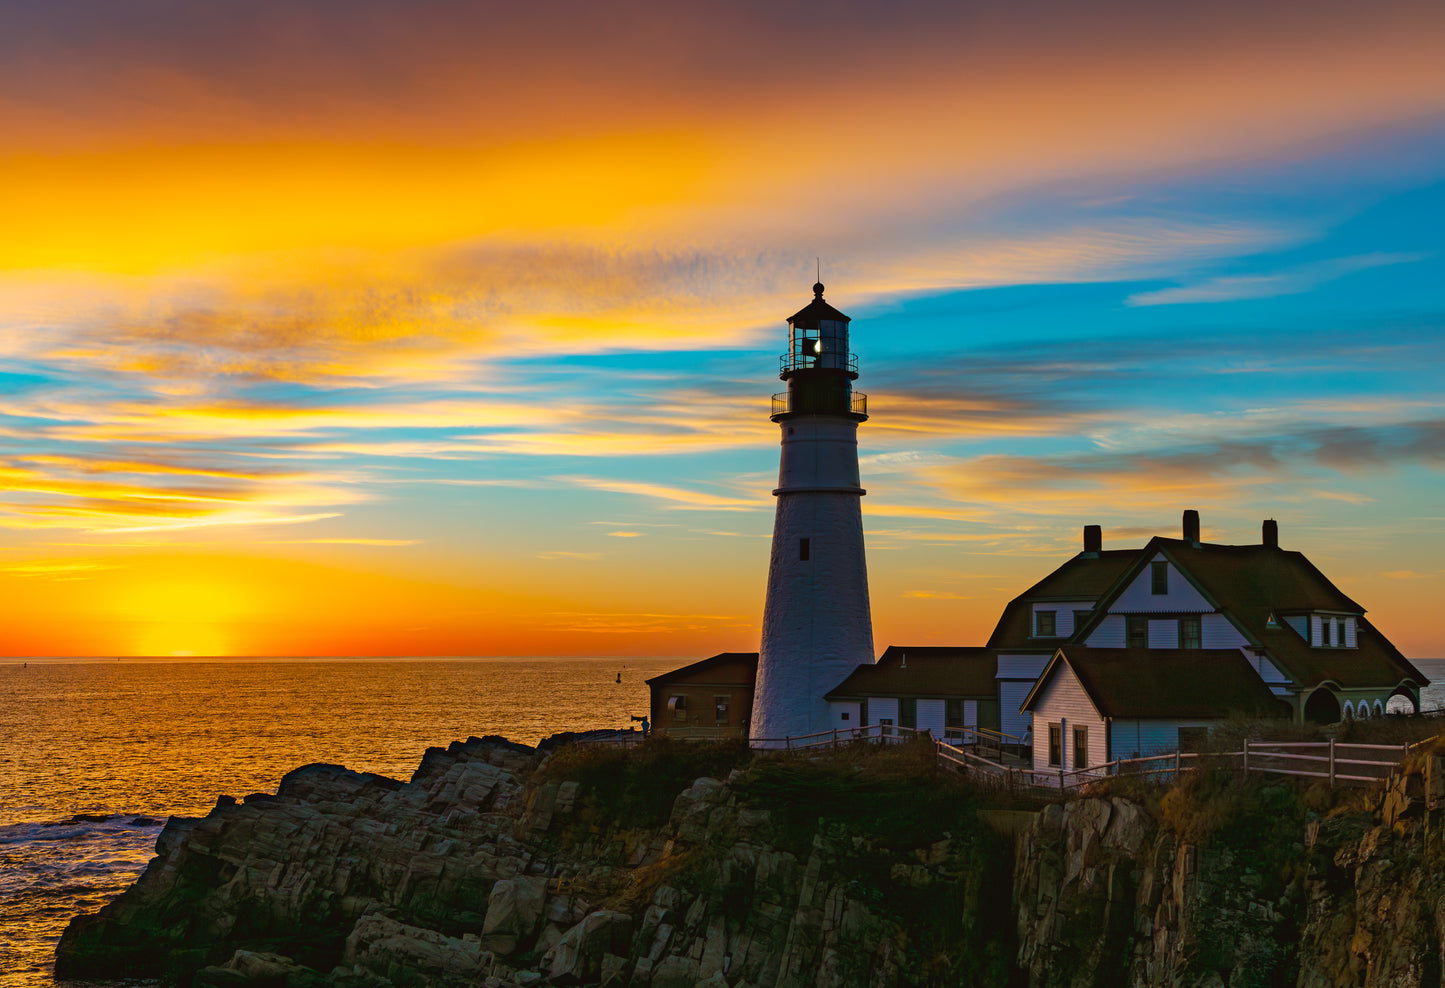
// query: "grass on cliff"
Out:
[896,793]
[636,787]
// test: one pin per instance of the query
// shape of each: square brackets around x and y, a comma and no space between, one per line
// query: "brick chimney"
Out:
[1093,540]
[1271,533]
[1191,526]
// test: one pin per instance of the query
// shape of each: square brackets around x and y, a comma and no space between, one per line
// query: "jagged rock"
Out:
[514,909]
[693,807]
[675,972]
[577,957]
[400,953]
[255,969]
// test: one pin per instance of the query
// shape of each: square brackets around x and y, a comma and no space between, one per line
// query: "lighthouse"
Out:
[817,627]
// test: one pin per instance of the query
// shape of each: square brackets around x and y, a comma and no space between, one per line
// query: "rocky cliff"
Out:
[493,867]
[1233,882]
[484,870]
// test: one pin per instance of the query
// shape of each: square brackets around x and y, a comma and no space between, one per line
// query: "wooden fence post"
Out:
[1246,756]
[835,737]
[1176,764]
[1332,763]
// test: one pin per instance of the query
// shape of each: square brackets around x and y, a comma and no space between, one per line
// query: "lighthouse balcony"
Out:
[804,358]
[812,403]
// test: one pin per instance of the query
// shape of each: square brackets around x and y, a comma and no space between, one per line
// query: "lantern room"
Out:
[818,339]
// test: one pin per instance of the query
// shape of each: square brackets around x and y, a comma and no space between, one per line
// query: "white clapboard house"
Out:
[1126,653]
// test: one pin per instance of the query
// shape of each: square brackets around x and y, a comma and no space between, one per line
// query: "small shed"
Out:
[708,699]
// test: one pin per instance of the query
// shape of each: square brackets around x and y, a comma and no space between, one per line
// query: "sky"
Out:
[443,328]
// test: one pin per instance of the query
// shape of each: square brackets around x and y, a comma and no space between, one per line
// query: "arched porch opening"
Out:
[1402,701]
[1323,707]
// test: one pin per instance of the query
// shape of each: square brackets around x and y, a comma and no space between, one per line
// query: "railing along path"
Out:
[1338,762]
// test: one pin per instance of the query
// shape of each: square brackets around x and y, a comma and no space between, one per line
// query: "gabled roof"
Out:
[930,671]
[730,668]
[1203,684]
[1087,576]
[1250,582]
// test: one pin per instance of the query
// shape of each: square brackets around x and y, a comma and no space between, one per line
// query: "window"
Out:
[1081,747]
[1159,576]
[1329,637]
[1136,631]
[907,712]
[1044,624]
[678,706]
[1056,745]
[805,550]
[863,712]
[1081,618]
[720,705]
[1189,633]
[843,716]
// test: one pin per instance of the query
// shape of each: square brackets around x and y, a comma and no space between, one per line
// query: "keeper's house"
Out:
[1132,652]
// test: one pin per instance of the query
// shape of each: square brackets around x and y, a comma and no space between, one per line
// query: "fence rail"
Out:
[1339,762]
[1266,757]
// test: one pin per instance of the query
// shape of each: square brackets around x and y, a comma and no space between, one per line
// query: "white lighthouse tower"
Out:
[817,626]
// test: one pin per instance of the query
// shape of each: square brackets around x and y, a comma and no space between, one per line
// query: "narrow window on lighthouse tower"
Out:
[804,550]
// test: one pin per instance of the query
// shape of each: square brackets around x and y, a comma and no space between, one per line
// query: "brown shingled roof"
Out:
[931,671]
[1374,662]
[1250,582]
[732,668]
[1164,683]
[1084,577]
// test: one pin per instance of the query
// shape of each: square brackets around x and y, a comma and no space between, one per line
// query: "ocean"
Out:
[95,754]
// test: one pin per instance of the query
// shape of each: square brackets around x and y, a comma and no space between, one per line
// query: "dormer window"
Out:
[1045,624]
[1335,632]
